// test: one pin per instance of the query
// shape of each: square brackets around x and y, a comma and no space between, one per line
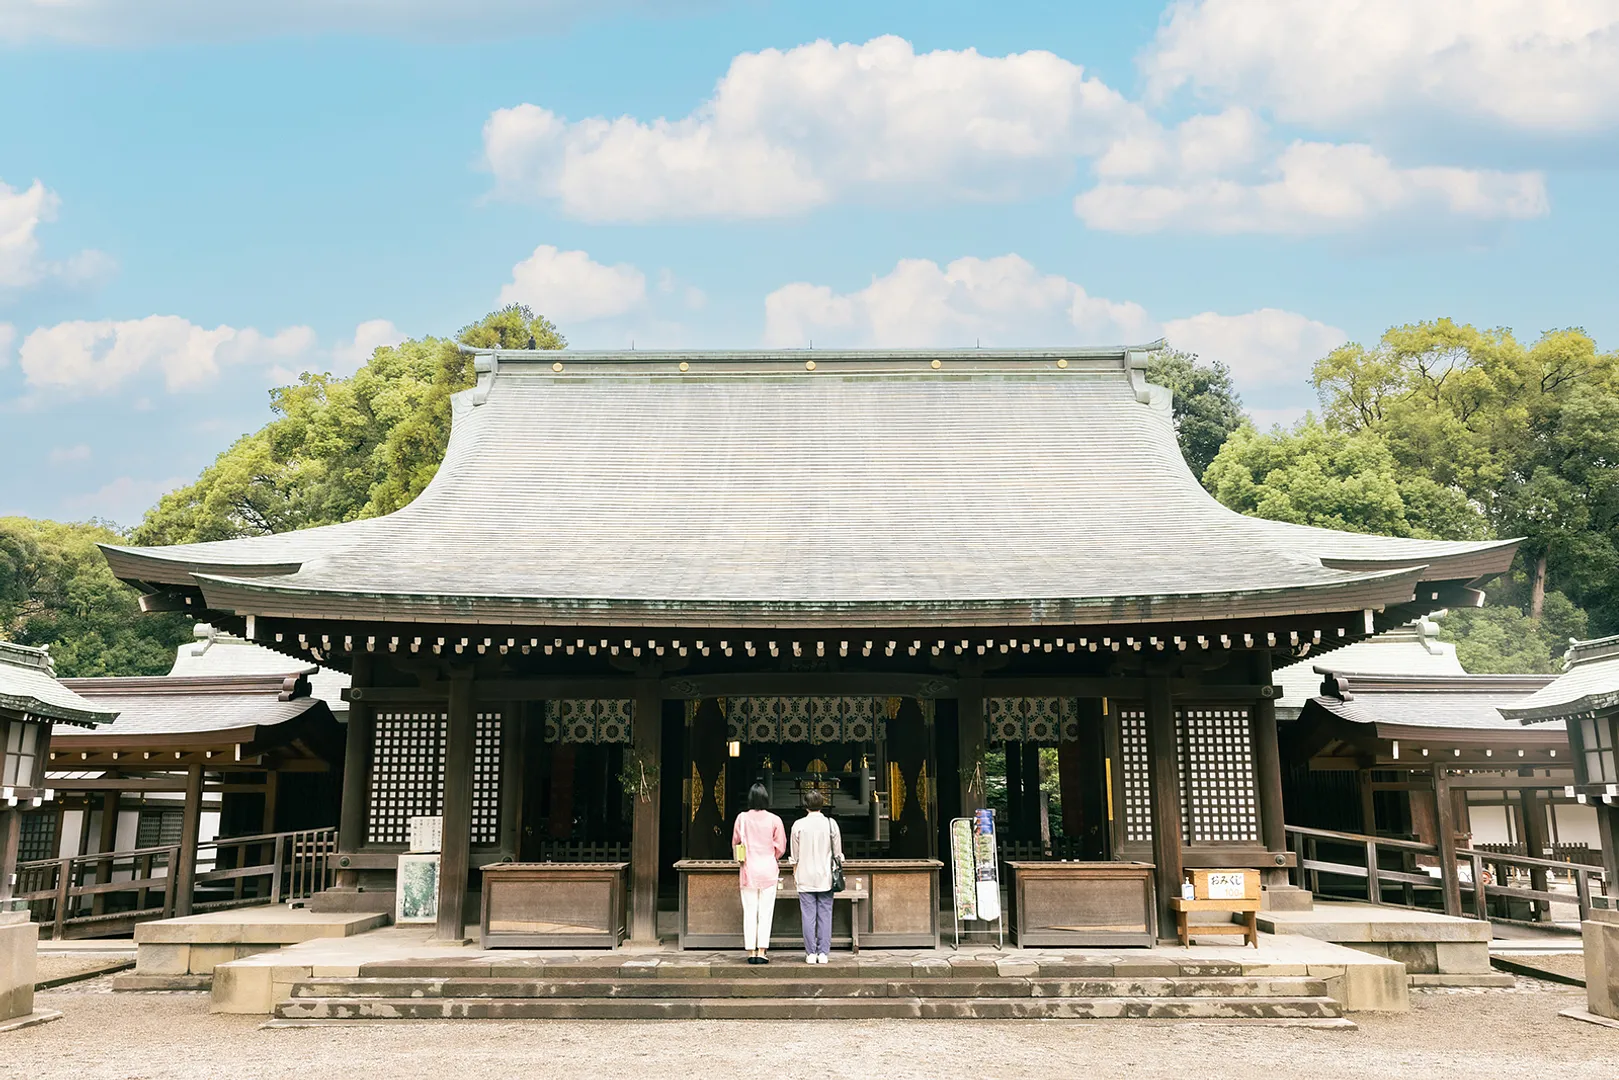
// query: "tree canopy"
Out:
[57,590]
[1205,404]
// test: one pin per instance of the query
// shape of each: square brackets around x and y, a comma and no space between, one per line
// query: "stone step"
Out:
[794,1008]
[813,988]
[794,968]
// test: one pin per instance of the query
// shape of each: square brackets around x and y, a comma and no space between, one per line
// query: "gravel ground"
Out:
[1453,1033]
[1562,963]
[55,967]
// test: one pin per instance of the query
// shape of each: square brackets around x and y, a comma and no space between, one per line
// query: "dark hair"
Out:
[814,800]
[758,797]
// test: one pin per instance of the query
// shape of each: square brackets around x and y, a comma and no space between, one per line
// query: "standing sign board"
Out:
[416,887]
[975,872]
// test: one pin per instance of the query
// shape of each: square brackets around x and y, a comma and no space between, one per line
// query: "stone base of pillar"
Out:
[1286,898]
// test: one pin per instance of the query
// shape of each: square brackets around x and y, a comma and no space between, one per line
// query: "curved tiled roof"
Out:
[1452,703]
[810,489]
[1589,684]
[28,685]
[169,705]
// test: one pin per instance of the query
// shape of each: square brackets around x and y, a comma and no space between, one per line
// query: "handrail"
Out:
[1304,842]
[301,864]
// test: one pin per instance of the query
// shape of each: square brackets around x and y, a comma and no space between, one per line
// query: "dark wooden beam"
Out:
[1445,827]
[10,836]
[1164,780]
[185,875]
[351,820]
[1268,769]
[970,740]
[646,745]
[455,853]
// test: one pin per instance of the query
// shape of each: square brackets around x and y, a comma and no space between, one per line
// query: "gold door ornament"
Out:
[695,791]
[896,792]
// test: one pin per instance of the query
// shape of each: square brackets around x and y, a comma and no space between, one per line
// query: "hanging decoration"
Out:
[896,792]
[589,720]
[639,776]
[695,791]
[924,793]
[1043,720]
[804,719]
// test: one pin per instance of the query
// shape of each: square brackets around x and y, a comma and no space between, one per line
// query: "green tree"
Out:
[1205,404]
[1528,433]
[1503,639]
[57,590]
[1335,479]
[341,449]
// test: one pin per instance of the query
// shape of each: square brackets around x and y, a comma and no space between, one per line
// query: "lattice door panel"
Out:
[407,774]
[486,780]
[1219,801]
[1137,786]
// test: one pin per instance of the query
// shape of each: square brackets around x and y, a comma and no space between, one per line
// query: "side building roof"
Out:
[29,687]
[1412,649]
[1589,684]
[810,489]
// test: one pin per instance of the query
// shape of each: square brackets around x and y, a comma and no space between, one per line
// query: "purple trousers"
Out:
[816,908]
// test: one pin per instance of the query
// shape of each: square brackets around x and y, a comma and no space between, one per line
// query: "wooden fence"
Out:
[108,892]
[1385,865]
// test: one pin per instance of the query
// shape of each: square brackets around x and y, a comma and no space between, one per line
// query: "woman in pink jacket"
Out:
[764,839]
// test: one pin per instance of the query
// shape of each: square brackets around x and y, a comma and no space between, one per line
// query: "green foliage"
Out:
[1501,639]
[57,590]
[1205,403]
[1530,435]
[1336,479]
[341,449]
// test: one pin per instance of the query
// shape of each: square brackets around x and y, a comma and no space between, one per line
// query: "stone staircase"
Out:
[793,991]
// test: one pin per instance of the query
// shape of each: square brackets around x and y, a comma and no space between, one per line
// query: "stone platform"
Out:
[1437,950]
[395,973]
[183,953]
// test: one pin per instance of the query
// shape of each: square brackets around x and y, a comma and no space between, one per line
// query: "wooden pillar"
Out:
[1532,809]
[1017,825]
[646,745]
[272,791]
[970,739]
[1163,771]
[10,837]
[109,840]
[1608,837]
[513,771]
[1268,769]
[185,875]
[707,764]
[351,821]
[455,855]
[562,779]
[1368,805]
[1445,828]
[1031,790]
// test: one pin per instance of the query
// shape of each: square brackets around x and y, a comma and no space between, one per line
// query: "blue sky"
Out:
[201,201]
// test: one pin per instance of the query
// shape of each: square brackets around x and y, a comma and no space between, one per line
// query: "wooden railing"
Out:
[1371,853]
[117,888]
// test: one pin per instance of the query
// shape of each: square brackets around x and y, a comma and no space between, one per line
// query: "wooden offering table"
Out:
[894,904]
[560,905]
[1083,903]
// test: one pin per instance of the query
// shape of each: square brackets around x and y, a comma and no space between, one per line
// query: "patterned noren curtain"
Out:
[1047,720]
[806,719]
[589,720]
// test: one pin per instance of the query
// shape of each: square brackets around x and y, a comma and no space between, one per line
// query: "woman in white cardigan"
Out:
[816,842]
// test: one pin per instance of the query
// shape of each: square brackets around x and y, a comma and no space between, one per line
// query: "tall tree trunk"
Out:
[1537,588]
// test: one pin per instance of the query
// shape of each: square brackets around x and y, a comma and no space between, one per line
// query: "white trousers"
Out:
[758,907]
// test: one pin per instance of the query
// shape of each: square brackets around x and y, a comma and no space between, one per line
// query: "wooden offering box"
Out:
[560,905]
[896,905]
[1083,903]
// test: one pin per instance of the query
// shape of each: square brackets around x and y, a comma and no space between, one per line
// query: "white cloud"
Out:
[63,455]
[124,500]
[997,301]
[349,356]
[21,264]
[786,131]
[118,22]
[569,286]
[96,357]
[1311,187]
[1532,65]
[1262,348]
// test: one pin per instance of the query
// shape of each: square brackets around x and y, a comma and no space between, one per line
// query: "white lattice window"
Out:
[1219,802]
[407,774]
[1137,783]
